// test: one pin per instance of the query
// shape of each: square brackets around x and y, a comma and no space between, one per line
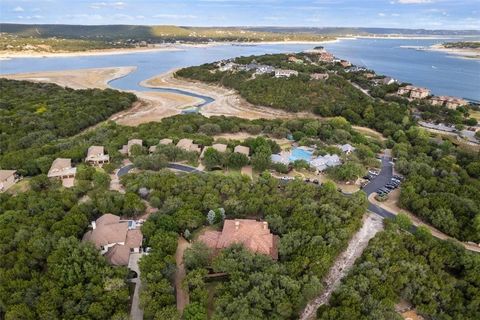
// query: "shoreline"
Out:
[462,53]
[7,55]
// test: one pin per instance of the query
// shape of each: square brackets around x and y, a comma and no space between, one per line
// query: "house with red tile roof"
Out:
[254,235]
[115,238]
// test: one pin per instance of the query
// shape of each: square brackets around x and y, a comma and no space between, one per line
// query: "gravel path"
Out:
[371,225]
[182,296]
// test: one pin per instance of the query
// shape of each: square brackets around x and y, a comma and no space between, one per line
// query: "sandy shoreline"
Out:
[465,53]
[6,55]
[76,79]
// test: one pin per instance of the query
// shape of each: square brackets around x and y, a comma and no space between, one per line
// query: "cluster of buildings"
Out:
[255,236]
[258,69]
[116,238]
[319,163]
[414,92]
[449,102]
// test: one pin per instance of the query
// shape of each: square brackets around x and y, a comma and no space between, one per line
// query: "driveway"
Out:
[182,295]
[135,312]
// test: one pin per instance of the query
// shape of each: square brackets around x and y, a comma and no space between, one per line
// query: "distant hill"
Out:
[151,33]
[365,31]
[173,33]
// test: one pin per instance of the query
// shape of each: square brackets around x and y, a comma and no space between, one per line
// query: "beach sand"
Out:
[76,79]
[461,52]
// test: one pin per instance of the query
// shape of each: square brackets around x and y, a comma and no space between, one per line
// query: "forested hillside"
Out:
[333,97]
[440,279]
[45,271]
[35,114]
[314,224]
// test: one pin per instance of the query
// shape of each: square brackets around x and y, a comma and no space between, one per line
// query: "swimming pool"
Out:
[300,154]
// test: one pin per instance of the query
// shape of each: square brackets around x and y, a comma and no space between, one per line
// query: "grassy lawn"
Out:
[19,187]
[475,114]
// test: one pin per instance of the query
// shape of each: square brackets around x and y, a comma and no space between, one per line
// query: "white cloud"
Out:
[381,14]
[114,5]
[18,9]
[414,1]
[174,16]
[34,17]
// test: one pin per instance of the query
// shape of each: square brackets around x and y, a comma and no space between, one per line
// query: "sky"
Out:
[426,14]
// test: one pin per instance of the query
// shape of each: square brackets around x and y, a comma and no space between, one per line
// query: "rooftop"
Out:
[254,235]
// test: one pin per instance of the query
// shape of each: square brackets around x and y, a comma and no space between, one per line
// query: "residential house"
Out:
[449,102]
[220,147]
[321,163]
[346,148]
[280,158]
[188,145]
[255,236]
[280,73]
[242,149]
[7,179]
[319,76]
[264,69]
[165,141]
[228,67]
[414,92]
[127,148]
[454,103]
[62,169]
[387,81]
[115,238]
[96,156]
[295,60]
[345,63]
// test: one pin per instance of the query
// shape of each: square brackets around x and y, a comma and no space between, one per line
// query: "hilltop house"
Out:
[319,76]
[228,67]
[62,169]
[115,238]
[345,63]
[346,148]
[7,179]
[242,149]
[188,145]
[280,73]
[414,92]
[220,147]
[255,236]
[96,156]
[321,163]
[127,148]
[385,81]
[295,60]
[264,69]
[449,102]
[165,141]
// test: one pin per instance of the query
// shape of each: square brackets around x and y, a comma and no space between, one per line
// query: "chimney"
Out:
[237,225]
[265,225]
[94,225]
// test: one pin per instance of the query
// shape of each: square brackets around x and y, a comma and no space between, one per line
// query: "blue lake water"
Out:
[443,74]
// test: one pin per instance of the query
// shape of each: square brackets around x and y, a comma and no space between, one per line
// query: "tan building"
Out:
[295,60]
[280,73]
[345,63]
[115,238]
[449,102]
[96,156]
[220,147]
[188,145]
[414,92]
[165,141]
[127,148]
[319,76]
[62,169]
[255,236]
[243,150]
[7,179]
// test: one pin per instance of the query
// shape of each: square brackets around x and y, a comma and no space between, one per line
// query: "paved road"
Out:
[124,170]
[135,312]
[182,167]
